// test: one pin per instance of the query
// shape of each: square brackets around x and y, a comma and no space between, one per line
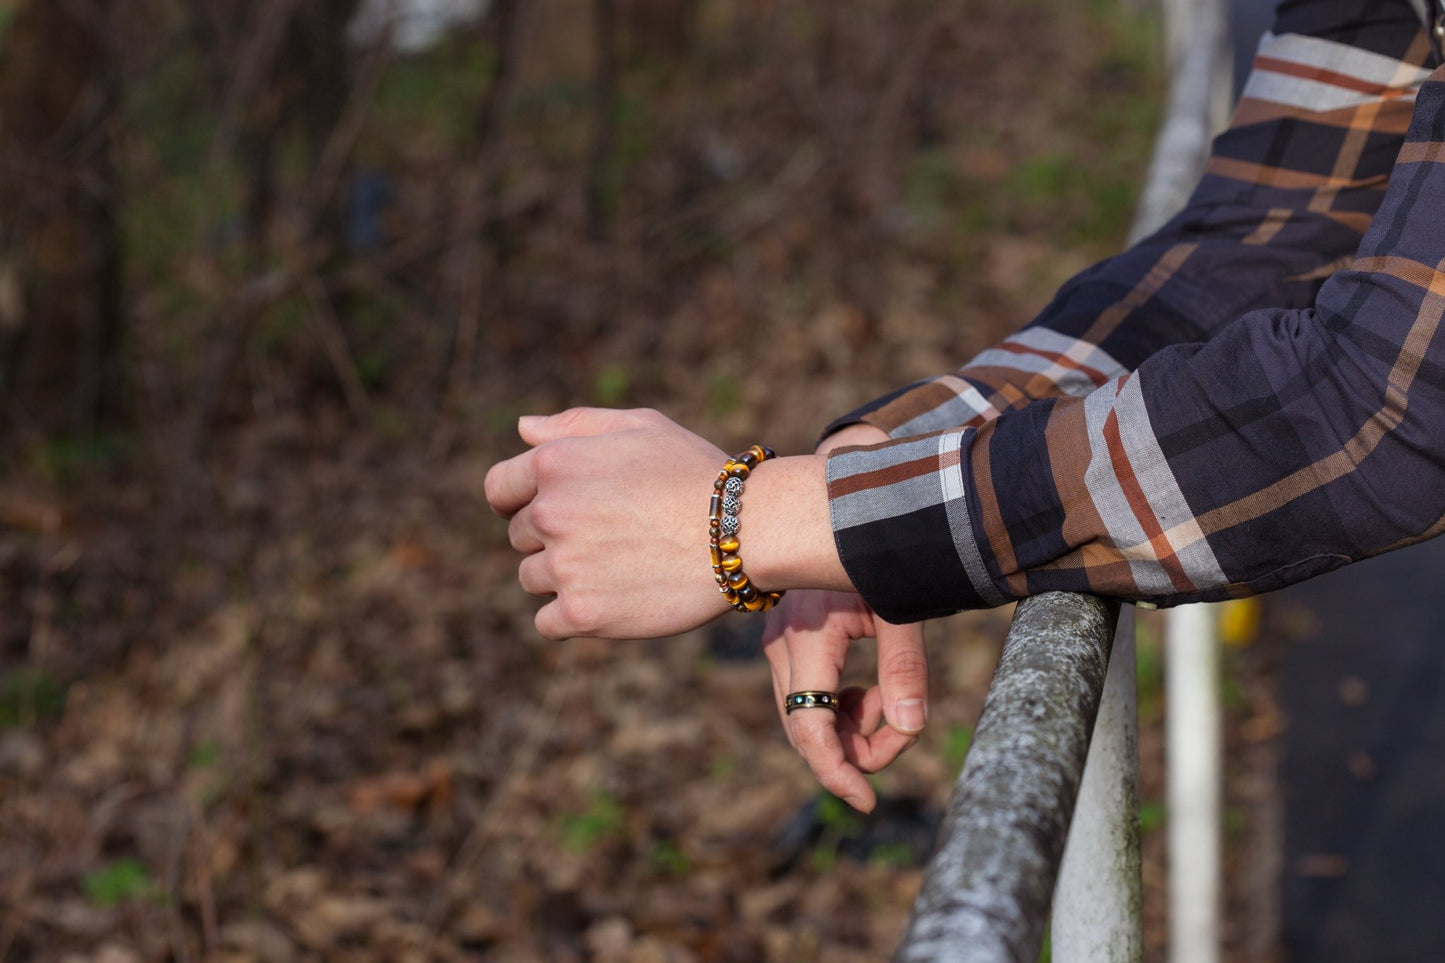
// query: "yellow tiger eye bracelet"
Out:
[722,529]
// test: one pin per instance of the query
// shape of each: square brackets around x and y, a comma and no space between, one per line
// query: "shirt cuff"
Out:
[903,523]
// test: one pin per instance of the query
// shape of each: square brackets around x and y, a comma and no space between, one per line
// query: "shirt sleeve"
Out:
[1291,442]
[1287,193]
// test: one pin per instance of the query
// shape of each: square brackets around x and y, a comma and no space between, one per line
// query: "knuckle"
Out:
[906,663]
[543,515]
[579,613]
[494,490]
[550,516]
[548,628]
[568,418]
[528,575]
[548,459]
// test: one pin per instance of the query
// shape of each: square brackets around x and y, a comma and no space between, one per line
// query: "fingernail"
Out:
[910,715]
[528,421]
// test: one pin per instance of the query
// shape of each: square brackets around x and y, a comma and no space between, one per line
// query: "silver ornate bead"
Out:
[732,504]
[733,486]
[730,525]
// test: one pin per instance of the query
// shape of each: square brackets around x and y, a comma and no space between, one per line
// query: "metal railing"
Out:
[988,890]
[1045,812]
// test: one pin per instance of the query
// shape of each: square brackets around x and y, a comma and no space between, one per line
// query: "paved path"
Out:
[1364,768]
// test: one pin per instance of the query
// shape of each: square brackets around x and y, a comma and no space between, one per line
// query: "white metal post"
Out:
[1197,37]
[1098,898]
[1193,765]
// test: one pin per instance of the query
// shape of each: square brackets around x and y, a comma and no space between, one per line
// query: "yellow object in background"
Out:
[1239,621]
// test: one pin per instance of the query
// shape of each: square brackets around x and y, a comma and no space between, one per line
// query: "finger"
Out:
[535,576]
[815,662]
[860,710]
[551,623]
[579,422]
[522,534]
[878,751]
[812,660]
[569,616]
[823,751]
[511,484]
[868,745]
[776,651]
[903,675]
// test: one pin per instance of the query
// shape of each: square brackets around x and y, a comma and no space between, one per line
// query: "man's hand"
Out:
[610,510]
[806,642]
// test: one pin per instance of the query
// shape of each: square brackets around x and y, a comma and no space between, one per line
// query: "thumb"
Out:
[580,422]
[903,675]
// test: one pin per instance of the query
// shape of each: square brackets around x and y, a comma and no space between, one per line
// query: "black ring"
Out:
[810,699]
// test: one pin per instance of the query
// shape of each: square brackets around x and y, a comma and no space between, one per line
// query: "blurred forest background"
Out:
[277,276]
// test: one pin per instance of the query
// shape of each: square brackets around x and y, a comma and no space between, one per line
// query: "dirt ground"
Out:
[270,692]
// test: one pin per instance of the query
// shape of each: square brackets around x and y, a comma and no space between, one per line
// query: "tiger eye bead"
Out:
[723,524]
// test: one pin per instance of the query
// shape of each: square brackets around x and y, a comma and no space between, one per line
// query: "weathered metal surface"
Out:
[987,892]
[1098,901]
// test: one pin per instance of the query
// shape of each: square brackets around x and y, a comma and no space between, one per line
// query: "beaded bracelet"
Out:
[722,530]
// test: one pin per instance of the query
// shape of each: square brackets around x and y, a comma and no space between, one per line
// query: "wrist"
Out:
[788,533]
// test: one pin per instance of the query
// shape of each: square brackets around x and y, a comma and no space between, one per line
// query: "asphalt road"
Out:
[1364,769]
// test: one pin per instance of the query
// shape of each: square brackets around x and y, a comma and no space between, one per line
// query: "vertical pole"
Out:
[1198,105]
[1192,746]
[1197,36]
[1098,899]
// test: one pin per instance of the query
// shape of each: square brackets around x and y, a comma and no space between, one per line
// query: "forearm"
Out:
[787,540]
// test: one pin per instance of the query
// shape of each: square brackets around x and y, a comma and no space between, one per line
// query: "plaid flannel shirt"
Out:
[1251,396]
